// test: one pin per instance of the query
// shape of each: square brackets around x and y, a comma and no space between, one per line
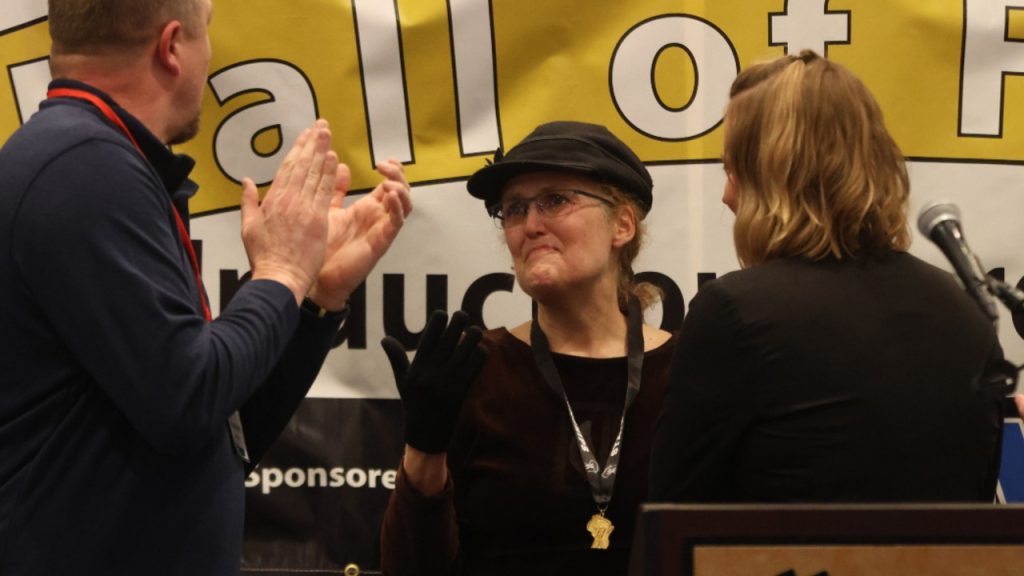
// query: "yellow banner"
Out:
[441,84]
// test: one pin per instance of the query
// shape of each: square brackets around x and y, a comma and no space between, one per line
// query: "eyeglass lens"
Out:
[551,204]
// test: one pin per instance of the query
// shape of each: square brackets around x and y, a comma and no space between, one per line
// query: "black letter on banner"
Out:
[672,305]
[394,306]
[354,327]
[703,277]
[478,291]
[230,284]
[197,247]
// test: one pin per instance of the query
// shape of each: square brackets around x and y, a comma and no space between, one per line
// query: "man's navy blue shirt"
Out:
[115,453]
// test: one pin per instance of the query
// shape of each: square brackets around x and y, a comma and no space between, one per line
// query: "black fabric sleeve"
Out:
[707,404]
[419,534]
[98,253]
[270,408]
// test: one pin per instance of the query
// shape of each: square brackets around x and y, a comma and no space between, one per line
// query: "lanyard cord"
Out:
[116,120]
[602,481]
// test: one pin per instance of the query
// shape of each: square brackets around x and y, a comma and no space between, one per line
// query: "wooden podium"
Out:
[829,540]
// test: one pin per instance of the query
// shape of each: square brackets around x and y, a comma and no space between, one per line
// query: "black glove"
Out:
[434,386]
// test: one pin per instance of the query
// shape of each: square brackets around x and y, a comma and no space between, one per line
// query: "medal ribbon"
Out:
[602,481]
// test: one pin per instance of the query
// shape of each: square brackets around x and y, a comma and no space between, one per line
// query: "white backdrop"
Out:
[689,232]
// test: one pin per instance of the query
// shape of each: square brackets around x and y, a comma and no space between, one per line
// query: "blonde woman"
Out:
[835,366]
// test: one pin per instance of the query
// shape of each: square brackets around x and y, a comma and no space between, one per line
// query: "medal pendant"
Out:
[600,528]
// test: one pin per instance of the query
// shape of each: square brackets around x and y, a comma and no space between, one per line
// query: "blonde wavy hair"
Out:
[815,172]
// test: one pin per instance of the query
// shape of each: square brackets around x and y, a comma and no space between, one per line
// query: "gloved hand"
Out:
[434,386]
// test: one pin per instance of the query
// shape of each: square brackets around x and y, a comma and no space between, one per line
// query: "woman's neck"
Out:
[594,328]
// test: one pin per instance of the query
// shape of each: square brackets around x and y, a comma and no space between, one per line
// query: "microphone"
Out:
[940,222]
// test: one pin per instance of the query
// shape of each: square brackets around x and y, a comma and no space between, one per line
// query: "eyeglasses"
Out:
[550,204]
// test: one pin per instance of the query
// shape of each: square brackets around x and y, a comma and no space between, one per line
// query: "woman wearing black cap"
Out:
[547,461]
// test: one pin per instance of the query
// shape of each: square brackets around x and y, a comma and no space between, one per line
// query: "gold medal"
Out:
[600,528]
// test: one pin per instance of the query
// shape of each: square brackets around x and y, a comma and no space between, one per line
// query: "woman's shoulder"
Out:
[657,340]
[516,340]
[763,283]
[505,339]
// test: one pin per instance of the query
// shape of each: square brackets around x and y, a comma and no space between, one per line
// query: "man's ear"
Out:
[168,47]
[625,225]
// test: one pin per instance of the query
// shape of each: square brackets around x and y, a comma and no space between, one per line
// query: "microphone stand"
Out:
[1010,296]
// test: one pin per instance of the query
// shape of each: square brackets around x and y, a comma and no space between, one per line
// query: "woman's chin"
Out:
[541,289]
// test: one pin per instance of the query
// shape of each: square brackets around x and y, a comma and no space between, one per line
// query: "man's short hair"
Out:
[94,26]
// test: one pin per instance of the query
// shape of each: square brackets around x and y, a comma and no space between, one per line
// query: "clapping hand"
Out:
[360,234]
[285,235]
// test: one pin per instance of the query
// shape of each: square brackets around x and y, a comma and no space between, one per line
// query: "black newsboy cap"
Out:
[588,148]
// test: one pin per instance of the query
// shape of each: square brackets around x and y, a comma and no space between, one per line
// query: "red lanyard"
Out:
[182,231]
